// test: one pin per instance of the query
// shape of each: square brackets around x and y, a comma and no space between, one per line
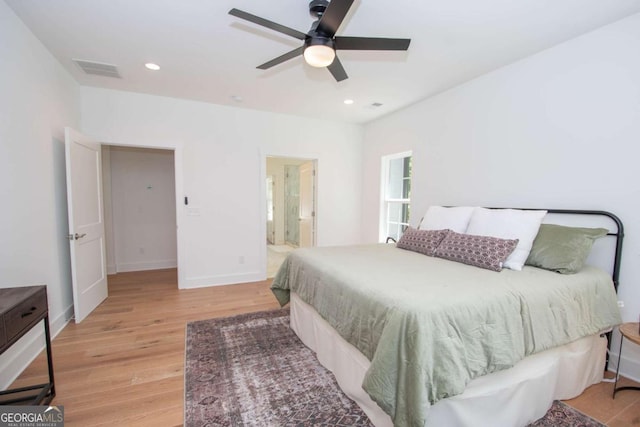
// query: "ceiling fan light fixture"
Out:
[319,52]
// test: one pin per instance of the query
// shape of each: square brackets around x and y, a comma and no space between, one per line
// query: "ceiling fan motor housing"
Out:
[319,40]
[317,8]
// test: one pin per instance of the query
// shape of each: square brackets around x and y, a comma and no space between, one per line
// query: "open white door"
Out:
[307,205]
[86,223]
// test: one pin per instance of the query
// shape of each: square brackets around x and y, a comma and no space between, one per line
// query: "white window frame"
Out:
[386,202]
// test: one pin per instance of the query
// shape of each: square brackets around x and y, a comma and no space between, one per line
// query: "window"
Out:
[396,195]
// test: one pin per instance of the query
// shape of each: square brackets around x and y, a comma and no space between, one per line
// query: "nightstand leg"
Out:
[615,384]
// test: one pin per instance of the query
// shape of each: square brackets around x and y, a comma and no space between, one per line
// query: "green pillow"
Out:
[563,249]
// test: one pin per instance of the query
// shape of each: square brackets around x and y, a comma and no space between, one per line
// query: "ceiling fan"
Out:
[320,42]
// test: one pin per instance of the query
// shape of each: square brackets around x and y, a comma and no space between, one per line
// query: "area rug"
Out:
[252,370]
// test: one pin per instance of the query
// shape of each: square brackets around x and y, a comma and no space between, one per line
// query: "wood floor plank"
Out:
[597,401]
[628,417]
[124,364]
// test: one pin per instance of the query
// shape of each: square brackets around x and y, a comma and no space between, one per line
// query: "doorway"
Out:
[139,208]
[291,208]
[89,174]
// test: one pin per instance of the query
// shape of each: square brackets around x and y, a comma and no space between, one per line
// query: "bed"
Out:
[420,340]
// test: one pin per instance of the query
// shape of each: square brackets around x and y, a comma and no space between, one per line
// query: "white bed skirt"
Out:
[514,397]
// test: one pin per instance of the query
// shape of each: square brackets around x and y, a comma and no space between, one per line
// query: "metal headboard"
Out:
[619,234]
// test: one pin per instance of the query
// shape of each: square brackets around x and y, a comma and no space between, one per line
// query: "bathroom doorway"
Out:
[291,207]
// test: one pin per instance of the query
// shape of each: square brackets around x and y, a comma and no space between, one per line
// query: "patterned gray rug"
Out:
[252,370]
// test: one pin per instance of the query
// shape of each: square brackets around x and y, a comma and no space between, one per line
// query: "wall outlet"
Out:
[241,259]
[621,304]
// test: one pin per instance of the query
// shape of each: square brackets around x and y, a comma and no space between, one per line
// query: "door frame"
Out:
[271,236]
[179,200]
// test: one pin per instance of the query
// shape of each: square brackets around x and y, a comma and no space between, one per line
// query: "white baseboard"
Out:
[221,280]
[17,358]
[630,367]
[147,265]
[111,269]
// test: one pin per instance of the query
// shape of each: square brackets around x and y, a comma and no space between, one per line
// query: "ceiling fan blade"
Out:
[333,16]
[337,71]
[371,43]
[268,24]
[282,58]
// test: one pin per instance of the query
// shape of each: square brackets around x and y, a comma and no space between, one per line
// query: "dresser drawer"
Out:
[25,313]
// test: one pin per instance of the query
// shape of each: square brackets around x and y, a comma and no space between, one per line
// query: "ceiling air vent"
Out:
[98,68]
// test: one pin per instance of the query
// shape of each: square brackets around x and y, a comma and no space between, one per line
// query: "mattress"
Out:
[429,326]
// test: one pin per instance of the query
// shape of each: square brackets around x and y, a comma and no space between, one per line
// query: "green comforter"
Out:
[429,326]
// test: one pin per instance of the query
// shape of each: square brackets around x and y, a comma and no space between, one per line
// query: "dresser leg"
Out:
[47,334]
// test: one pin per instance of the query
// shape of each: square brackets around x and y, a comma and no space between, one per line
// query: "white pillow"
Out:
[508,224]
[441,218]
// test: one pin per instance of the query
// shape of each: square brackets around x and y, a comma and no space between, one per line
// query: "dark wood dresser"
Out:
[21,309]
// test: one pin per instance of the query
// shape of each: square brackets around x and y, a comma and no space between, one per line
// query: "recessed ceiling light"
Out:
[236,98]
[152,66]
[348,101]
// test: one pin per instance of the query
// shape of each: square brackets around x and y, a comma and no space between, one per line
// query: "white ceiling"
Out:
[208,55]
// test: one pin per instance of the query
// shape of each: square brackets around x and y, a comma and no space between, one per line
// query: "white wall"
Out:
[144,208]
[559,129]
[38,99]
[221,166]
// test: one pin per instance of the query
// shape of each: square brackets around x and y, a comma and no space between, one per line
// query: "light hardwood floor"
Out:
[124,364]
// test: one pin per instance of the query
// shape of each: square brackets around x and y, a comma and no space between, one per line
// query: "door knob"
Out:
[76,236]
